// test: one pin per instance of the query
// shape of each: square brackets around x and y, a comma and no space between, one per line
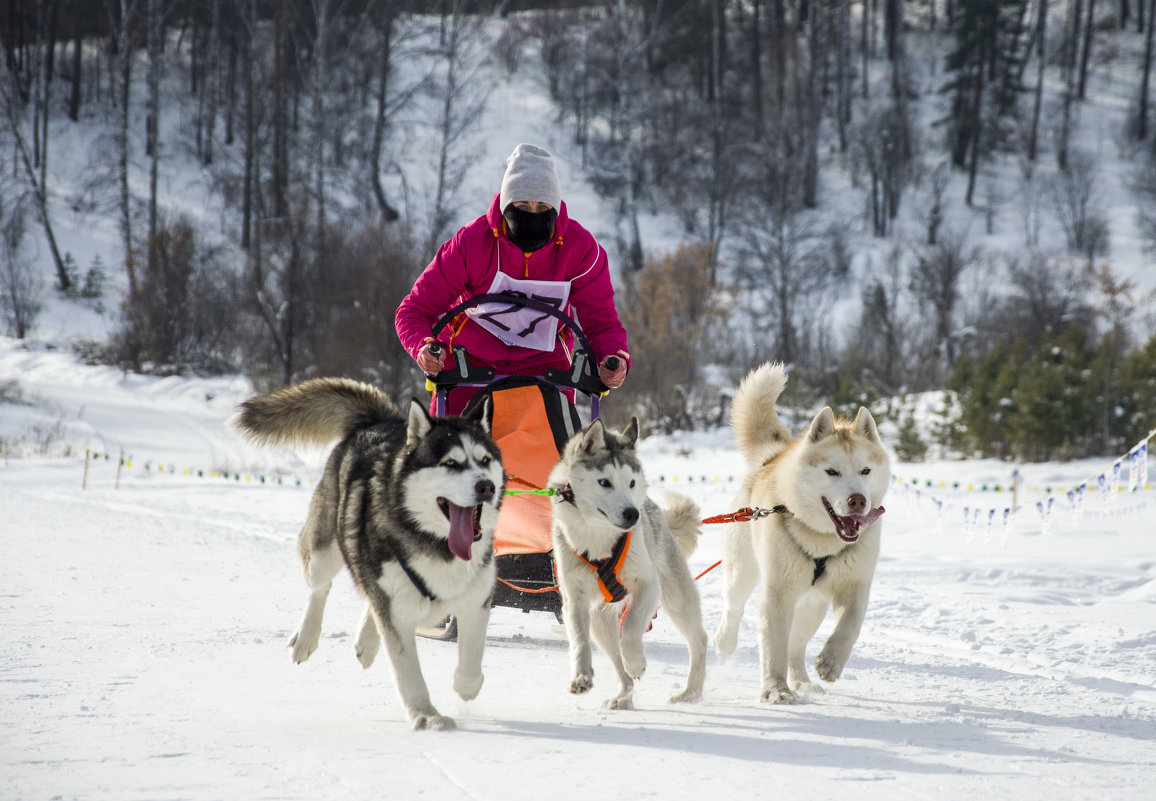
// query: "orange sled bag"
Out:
[531,421]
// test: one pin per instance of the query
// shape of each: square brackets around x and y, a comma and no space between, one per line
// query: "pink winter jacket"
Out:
[465,267]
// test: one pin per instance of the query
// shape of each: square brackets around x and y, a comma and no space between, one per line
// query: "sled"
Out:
[531,419]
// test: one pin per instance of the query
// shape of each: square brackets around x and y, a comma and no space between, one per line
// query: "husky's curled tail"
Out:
[314,412]
[758,431]
[684,518]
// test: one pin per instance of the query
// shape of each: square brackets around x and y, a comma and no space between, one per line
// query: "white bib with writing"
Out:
[519,326]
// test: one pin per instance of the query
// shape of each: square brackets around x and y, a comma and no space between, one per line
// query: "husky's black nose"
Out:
[630,516]
[484,490]
[857,504]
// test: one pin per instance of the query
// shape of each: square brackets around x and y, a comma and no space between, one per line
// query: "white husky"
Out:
[818,544]
[618,556]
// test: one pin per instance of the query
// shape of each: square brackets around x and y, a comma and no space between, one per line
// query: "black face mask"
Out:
[530,230]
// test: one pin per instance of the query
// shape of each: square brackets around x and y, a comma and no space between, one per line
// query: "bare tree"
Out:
[883,147]
[673,313]
[1050,293]
[19,288]
[785,266]
[935,283]
[122,16]
[617,73]
[1042,58]
[155,20]
[463,92]
[879,343]
[1144,187]
[29,178]
[1086,49]
[1145,72]
[1076,200]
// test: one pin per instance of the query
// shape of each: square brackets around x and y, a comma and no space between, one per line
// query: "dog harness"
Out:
[820,561]
[607,569]
[416,579]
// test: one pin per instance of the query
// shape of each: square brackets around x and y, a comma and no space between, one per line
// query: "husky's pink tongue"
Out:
[848,527]
[461,530]
[871,517]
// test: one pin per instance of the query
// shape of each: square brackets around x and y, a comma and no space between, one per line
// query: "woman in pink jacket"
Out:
[526,243]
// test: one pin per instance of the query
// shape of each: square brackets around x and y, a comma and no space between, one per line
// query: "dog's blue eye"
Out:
[450,463]
[604,483]
[485,461]
[832,471]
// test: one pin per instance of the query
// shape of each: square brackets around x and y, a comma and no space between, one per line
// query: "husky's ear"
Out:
[418,424]
[480,414]
[594,437]
[865,425]
[630,433]
[822,426]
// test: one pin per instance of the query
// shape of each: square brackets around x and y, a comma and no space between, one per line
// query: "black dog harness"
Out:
[415,579]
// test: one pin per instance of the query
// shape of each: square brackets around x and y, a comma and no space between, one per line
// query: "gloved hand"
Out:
[428,362]
[612,378]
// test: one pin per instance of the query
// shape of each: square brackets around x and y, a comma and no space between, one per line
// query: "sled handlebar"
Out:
[581,375]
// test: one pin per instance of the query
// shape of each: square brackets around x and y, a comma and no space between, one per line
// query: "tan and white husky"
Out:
[816,547]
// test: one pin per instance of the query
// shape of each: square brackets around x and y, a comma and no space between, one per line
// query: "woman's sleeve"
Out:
[434,293]
[593,299]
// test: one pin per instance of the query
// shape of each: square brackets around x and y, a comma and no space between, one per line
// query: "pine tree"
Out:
[984,85]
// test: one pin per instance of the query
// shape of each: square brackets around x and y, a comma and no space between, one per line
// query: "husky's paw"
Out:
[468,686]
[779,694]
[581,683]
[828,666]
[808,688]
[686,696]
[620,702]
[633,660]
[437,722]
[725,641]
[303,647]
[366,649]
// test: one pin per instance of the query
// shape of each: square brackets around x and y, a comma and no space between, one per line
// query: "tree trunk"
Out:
[976,131]
[250,131]
[1069,69]
[1041,40]
[864,48]
[280,134]
[77,66]
[381,120]
[320,123]
[811,116]
[211,85]
[1142,115]
[124,51]
[757,69]
[152,123]
[1089,33]
[843,79]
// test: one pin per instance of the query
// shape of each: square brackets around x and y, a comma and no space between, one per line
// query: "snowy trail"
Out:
[143,657]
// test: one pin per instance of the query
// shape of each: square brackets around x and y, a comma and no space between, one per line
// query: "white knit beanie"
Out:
[530,175]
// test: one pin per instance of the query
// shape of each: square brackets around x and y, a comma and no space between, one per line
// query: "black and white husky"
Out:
[619,555]
[409,504]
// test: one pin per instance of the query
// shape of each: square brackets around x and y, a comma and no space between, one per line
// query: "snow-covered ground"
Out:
[143,630]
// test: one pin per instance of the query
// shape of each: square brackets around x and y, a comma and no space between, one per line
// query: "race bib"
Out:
[519,326]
